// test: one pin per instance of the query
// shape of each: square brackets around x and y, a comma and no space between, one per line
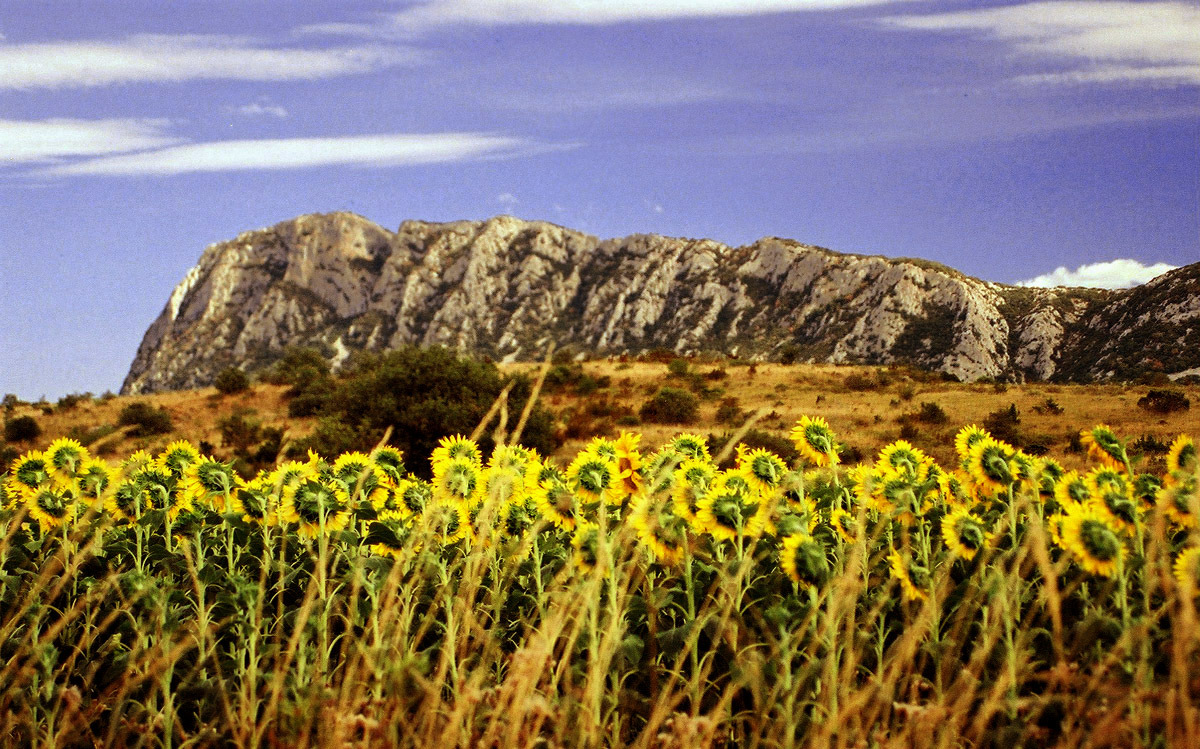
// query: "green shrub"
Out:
[730,411]
[671,406]
[299,366]
[1004,424]
[21,429]
[678,368]
[145,419]
[1164,401]
[931,413]
[231,380]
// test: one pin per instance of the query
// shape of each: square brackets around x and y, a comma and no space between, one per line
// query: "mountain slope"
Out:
[507,287]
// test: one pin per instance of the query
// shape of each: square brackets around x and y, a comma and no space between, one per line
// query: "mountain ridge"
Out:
[505,287]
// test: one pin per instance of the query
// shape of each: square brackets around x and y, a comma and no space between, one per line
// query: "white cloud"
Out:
[171,58]
[25,141]
[433,13]
[508,200]
[299,153]
[1106,41]
[260,107]
[1114,274]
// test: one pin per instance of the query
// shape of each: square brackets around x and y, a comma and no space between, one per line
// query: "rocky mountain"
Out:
[506,288]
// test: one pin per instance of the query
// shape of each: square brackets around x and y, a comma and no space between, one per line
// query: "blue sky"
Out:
[1012,140]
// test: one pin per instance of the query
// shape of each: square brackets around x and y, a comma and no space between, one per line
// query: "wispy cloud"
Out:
[1101,42]
[435,13]
[31,141]
[184,57]
[260,107]
[389,150]
[1114,274]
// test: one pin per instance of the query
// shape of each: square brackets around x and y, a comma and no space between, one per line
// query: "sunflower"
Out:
[126,502]
[311,502]
[388,538]
[1049,473]
[160,489]
[863,480]
[691,446]
[1145,489]
[504,485]
[256,501]
[51,506]
[390,460]
[409,498]
[727,509]
[1182,458]
[991,465]
[451,521]
[557,503]
[966,439]
[178,457]
[454,448]
[94,480]
[7,496]
[762,468]
[659,529]
[595,478]
[815,441]
[954,489]
[28,472]
[292,472]
[1187,572]
[659,471]
[1181,501]
[209,482]
[137,462]
[693,479]
[629,464]
[1072,489]
[65,457]
[900,458]
[913,578]
[1092,540]
[602,448]
[805,560]
[964,533]
[844,524]
[586,543]
[1110,495]
[362,478]
[1104,446]
[458,480]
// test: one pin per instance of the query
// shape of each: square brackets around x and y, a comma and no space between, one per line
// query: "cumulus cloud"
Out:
[183,57]
[1101,42]
[26,141]
[389,150]
[434,13]
[1114,274]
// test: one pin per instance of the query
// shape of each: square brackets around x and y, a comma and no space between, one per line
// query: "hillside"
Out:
[506,288]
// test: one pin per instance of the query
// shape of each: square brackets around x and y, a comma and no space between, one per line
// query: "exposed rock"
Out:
[507,287]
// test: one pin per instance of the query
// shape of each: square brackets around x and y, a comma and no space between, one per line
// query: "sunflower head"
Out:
[629,464]
[557,503]
[1111,496]
[65,456]
[312,503]
[690,446]
[1182,456]
[1181,501]
[126,502]
[805,560]
[136,462]
[1104,446]
[29,471]
[390,460]
[966,439]
[412,496]
[763,469]
[1145,488]
[160,490]
[586,542]
[913,578]
[991,465]
[595,478]
[256,501]
[900,458]
[210,481]
[844,524]
[1072,489]
[458,480]
[1092,540]
[603,448]
[1187,572]
[659,472]
[94,479]
[727,509]
[659,530]
[693,480]
[51,506]
[388,538]
[178,457]
[455,448]
[964,533]
[815,441]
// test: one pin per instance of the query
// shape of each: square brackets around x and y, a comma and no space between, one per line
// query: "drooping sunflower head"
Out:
[292,472]
[504,484]
[726,510]
[136,462]
[1103,445]
[1182,457]
[388,538]
[1049,473]
[964,533]
[1187,572]
[805,560]
[815,441]
[65,456]
[210,482]
[458,480]
[763,469]
[94,479]
[29,472]
[990,463]
[513,520]
[314,504]
[659,472]
[390,460]
[455,448]
[160,489]
[594,478]
[412,496]
[256,501]
[691,446]
[1072,489]
[126,502]
[178,457]
[966,439]
[557,503]
[586,541]
[603,448]
[1145,488]
[1111,496]
[693,480]
[51,506]
[954,490]
[659,529]
[1092,540]
[900,458]
[1181,501]
[844,524]
[913,578]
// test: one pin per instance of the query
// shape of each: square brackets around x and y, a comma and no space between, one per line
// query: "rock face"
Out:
[506,288]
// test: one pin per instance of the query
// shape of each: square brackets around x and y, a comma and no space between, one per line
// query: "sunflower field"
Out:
[632,597]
